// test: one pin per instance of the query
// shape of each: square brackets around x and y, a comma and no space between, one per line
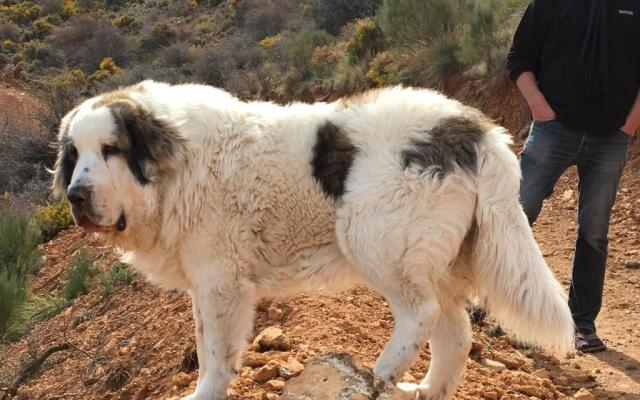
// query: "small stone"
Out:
[542,373]
[270,396]
[584,394]
[275,384]
[493,365]
[291,368]
[271,338]
[578,376]
[254,360]
[561,380]
[181,379]
[535,391]
[511,362]
[490,395]
[275,314]
[267,372]
[476,347]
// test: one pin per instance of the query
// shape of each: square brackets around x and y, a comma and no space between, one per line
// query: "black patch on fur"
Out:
[452,142]
[67,161]
[149,142]
[333,155]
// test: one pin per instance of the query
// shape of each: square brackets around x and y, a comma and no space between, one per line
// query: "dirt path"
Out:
[618,369]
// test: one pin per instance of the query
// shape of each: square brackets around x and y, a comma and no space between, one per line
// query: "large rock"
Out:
[338,376]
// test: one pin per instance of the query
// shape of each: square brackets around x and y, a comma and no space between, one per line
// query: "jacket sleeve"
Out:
[526,49]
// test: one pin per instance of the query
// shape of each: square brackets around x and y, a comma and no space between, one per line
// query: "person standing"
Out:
[577,64]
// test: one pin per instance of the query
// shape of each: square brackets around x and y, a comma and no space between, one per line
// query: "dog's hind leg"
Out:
[404,237]
[450,344]
[414,312]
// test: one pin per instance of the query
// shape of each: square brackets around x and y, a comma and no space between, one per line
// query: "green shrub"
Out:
[332,15]
[299,49]
[160,35]
[119,275]
[69,9]
[42,27]
[86,39]
[177,55]
[20,13]
[52,218]
[408,22]
[59,94]
[19,255]
[9,31]
[13,293]
[81,270]
[32,310]
[123,21]
[367,40]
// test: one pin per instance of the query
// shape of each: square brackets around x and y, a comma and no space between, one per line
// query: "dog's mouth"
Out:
[91,227]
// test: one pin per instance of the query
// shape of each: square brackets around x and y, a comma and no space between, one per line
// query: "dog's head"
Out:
[113,155]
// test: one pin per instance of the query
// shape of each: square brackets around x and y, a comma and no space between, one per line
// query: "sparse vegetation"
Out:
[52,218]
[19,256]
[81,270]
[119,275]
[279,49]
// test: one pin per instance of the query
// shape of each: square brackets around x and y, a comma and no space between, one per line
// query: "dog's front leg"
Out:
[224,316]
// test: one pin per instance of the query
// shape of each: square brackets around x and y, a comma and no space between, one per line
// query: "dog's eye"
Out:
[109,150]
[73,153]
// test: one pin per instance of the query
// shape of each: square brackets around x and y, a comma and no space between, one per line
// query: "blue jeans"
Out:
[549,150]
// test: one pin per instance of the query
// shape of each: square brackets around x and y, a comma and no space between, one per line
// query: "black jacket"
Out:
[548,43]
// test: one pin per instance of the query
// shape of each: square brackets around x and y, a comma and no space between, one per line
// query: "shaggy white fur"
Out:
[232,212]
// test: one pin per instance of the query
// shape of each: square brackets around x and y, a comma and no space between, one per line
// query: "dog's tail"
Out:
[510,273]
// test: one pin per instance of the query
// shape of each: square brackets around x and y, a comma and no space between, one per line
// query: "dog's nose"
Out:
[77,195]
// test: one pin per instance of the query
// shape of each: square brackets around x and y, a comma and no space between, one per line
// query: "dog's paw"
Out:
[422,391]
[200,396]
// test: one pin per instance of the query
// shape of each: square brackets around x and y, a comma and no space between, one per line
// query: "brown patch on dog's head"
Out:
[151,146]
[357,99]
[116,95]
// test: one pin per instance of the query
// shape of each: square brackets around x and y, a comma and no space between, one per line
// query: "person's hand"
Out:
[541,111]
[629,129]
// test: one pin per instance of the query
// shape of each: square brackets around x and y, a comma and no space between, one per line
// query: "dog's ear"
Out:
[153,147]
[66,159]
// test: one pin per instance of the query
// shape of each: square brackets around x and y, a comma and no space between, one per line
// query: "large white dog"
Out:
[404,190]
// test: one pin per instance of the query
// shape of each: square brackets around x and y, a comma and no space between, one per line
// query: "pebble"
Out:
[493,365]
[584,394]
[542,373]
[267,372]
[490,395]
[275,384]
[275,314]
[271,338]
[511,362]
[291,368]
